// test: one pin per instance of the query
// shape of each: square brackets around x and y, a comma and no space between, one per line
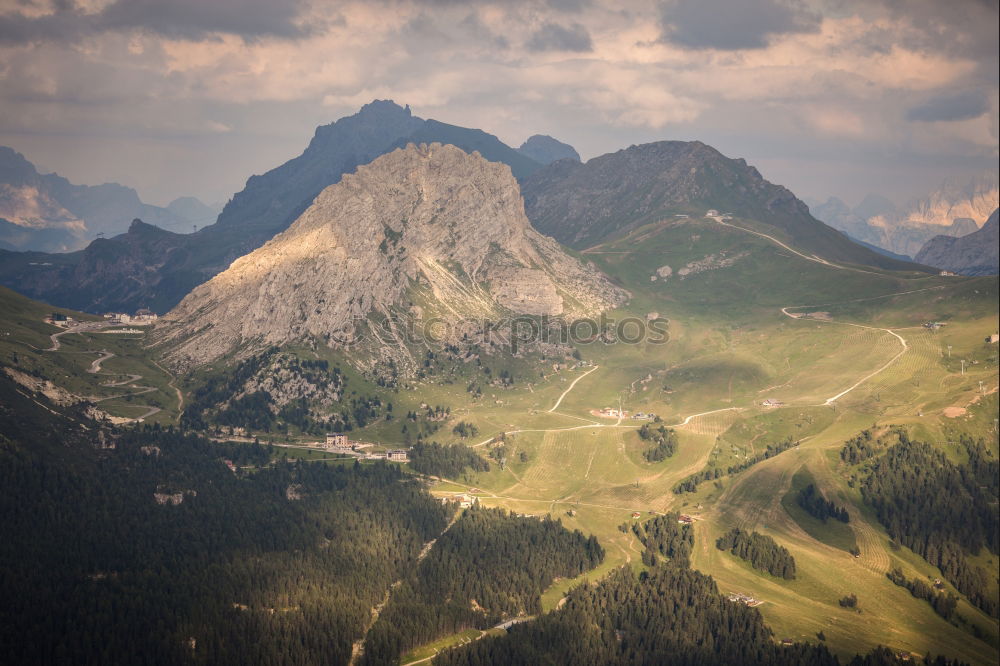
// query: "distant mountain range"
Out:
[973,254]
[956,208]
[578,204]
[86,280]
[48,213]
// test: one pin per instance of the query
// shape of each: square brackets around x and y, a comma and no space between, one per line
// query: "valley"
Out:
[738,373]
[687,366]
[499,333]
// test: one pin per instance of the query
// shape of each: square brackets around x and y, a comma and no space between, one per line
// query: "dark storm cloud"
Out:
[195,18]
[958,27]
[554,37]
[190,19]
[66,24]
[722,24]
[962,106]
[569,5]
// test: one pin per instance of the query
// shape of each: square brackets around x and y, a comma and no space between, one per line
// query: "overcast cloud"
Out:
[828,97]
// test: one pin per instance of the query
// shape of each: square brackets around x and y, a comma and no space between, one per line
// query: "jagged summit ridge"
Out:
[427,228]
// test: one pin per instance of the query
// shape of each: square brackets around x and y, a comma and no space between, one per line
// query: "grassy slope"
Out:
[24,339]
[730,348]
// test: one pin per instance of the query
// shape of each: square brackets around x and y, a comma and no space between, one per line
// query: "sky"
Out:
[191,97]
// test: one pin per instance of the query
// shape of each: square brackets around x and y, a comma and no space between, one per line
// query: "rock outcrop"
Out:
[428,229]
[974,254]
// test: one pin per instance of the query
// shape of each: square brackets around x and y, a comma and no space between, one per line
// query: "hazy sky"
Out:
[191,97]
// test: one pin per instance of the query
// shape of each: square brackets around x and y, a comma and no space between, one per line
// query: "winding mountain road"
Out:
[902,340]
[566,392]
[95,369]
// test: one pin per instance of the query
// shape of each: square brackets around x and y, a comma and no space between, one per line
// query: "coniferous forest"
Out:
[761,551]
[819,507]
[445,460]
[155,552]
[664,536]
[942,511]
[663,440]
[489,566]
[944,604]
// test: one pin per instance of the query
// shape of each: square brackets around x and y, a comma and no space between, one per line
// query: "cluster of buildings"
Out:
[338,442]
[772,403]
[142,317]
[617,413]
[612,412]
[685,519]
[745,599]
[393,455]
[465,500]
[59,319]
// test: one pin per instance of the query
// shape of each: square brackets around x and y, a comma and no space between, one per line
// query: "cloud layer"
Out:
[190,97]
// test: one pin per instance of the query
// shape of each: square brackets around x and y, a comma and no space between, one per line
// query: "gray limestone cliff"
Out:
[426,229]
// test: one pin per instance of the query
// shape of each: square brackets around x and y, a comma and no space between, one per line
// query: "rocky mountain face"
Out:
[48,213]
[546,150]
[582,205]
[426,232]
[957,208]
[973,254]
[266,206]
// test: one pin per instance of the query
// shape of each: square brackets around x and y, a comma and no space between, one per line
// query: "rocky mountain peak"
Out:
[428,228]
[378,118]
[583,204]
[545,150]
[14,167]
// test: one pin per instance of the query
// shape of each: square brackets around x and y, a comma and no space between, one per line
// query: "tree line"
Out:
[943,604]
[761,551]
[691,483]
[942,511]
